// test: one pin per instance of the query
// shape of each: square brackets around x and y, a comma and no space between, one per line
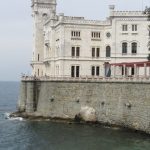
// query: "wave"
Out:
[7,116]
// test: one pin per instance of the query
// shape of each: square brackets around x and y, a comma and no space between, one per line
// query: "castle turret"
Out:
[111,9]
[41,11]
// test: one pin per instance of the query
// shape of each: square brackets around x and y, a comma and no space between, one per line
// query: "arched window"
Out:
[134,48]
[108,51]
[124,48]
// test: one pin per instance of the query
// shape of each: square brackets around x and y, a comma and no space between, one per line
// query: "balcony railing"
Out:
[88,78]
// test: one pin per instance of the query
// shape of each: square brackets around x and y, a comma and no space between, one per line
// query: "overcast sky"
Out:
[16,28]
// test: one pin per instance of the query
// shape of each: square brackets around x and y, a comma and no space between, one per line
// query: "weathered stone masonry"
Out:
[120,103]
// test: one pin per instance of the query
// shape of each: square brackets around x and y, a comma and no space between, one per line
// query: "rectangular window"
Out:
[75,34]
[95,71]
[38,57]
[95,35]
[72,33]
[72,71]
[134,27]
[75,51]
[75,71]
[125,27]
[95,52]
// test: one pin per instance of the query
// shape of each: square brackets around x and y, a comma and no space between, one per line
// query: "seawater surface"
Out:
[34,135]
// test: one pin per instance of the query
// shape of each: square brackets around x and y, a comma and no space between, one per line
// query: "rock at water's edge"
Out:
[87,114]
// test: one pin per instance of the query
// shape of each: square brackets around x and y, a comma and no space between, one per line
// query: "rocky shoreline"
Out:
[33,117]
[30,117]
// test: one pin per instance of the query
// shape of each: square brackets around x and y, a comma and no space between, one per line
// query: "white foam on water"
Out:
[7,116]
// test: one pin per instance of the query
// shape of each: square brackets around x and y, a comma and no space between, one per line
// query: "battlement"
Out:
[43,2]
[129,14]
[89,22]
[73,18]
[80,20]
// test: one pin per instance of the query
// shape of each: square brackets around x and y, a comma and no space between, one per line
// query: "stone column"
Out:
[145,69]
[135,70]
[128,71]
[124,70]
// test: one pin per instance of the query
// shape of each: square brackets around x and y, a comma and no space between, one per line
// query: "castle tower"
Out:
[42,10]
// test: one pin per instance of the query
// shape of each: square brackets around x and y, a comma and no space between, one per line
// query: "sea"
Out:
[20,134]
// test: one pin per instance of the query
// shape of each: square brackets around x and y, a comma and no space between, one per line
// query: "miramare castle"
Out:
[66,46]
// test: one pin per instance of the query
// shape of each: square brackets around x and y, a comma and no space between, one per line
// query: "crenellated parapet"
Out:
[114,13]
[88,22]
[43,2]
[73,18]
[129,13]
[80,20]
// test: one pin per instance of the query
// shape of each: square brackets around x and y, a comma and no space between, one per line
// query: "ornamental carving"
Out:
[147,12]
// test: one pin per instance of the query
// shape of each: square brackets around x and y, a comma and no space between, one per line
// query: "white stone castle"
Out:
[66,46]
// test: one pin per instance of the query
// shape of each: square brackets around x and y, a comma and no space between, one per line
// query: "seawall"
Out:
[120,103]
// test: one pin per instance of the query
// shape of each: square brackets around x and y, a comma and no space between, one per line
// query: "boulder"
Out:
[87,114]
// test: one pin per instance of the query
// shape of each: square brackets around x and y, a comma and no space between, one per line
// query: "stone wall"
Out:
[120,103]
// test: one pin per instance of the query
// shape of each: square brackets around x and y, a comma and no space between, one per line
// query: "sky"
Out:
[16,28]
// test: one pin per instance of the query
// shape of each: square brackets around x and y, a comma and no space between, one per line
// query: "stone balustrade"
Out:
[89,78]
